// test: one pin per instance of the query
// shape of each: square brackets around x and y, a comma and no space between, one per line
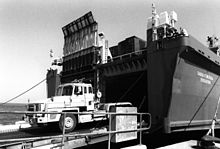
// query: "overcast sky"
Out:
[30,28]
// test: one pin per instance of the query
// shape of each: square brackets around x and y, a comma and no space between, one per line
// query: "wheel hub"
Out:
[69,122]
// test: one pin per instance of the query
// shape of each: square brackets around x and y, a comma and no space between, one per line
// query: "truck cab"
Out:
[76,95]
[70,97]
[78,102]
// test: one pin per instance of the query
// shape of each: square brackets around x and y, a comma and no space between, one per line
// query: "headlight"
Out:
[30,107]
[36,107]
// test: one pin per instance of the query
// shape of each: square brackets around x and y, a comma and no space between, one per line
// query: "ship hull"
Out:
[172,81]
[180,87]
[183,86]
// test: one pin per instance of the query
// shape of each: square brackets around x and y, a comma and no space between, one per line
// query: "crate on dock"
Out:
[123,123]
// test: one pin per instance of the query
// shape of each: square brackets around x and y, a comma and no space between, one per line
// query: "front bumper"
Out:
[42,120]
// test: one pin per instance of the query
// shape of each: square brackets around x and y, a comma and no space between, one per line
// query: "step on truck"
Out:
[71,98]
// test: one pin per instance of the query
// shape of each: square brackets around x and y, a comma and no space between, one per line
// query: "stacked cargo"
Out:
[114,51]
[129,45]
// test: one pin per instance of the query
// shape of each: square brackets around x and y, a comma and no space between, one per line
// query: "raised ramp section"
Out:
[72,140]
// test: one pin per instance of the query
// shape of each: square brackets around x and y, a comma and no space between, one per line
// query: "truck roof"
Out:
[76,83]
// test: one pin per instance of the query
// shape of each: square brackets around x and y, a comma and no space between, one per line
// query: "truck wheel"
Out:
[70,122]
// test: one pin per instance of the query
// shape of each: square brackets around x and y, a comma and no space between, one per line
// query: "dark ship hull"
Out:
[179,86]
[183,84]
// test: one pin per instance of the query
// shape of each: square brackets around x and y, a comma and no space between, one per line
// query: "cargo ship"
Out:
[170,75]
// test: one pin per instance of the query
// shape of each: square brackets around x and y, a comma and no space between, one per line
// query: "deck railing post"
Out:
[63,130]
[109,135]
[110,132]
[140,129]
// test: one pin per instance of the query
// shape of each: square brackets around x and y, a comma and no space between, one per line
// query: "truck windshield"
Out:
[67,90]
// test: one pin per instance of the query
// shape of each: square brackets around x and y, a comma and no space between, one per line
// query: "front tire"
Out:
[70,122]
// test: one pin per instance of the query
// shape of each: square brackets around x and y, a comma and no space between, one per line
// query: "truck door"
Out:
[89,97]
[78,96]
[67,91]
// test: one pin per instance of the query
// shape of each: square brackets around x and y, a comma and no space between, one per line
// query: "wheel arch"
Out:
[73,110]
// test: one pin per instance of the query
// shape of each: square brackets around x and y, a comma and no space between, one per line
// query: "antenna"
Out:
[154,11]
[154,21]
[51,53]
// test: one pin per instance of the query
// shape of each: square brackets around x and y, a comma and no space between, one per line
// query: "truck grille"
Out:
[34,107]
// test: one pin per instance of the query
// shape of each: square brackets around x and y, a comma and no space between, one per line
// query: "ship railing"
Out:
[140,128]
[126,56]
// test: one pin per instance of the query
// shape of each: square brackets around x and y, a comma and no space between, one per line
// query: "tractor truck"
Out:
[71,98]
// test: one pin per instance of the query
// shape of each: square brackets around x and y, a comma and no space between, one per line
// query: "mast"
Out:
[154,22]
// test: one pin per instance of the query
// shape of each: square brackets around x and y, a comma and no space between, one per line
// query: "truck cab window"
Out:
[67,90]
[90,90]
[78,90]
[85,90]
[59,91]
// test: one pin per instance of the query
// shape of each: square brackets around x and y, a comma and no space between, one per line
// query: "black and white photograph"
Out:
[110,74]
